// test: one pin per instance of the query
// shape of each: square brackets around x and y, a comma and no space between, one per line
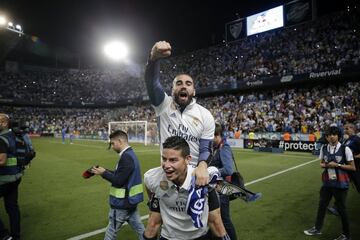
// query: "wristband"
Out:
[226,237]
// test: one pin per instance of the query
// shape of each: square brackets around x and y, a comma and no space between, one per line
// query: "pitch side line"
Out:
[93,233]
[96,232]
[281,172]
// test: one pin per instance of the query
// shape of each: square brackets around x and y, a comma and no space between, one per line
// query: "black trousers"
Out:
[326,193]
[9,192]
[225,216]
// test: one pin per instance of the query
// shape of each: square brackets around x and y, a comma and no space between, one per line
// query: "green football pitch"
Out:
[57,203]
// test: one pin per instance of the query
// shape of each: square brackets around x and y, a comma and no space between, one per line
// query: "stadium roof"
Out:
[81,26]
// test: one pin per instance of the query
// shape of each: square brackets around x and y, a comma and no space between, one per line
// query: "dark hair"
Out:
[218,130]
[177,143]
[119,134]
[333,131]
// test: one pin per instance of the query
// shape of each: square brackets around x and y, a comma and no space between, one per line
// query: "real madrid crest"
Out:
[195,121]
[164,185]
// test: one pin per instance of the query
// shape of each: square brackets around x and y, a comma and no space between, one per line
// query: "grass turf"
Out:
[57,203]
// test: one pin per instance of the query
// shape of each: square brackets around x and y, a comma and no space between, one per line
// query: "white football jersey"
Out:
[176,223]
[193,124]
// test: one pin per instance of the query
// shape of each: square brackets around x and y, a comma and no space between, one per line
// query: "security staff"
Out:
[10,177]
[126,190]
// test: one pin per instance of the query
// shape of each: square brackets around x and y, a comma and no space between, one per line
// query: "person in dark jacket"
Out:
[10,178]
[126,190]
[223,160]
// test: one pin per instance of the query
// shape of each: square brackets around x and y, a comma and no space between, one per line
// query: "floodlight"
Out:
[9,25]
[2,20]
[116,50]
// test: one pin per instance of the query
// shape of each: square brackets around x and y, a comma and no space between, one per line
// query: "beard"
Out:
[182,103]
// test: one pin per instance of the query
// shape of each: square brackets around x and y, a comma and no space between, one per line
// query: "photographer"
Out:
[336,159]
[10,178]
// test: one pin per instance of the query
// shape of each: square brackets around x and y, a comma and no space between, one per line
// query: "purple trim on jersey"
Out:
[204,149]
[152,80]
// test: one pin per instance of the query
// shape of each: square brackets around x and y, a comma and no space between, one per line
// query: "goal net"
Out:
[137,131]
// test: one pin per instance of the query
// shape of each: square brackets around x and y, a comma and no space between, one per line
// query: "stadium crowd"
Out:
[70,86]
[328,43]
[297,110]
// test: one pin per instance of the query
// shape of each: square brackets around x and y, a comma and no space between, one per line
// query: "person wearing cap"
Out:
[336,159]
[10,178]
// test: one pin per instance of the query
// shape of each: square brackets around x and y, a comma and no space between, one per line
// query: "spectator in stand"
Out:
[287,137]
[312,137]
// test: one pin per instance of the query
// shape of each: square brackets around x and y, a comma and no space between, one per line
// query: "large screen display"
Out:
[265,21]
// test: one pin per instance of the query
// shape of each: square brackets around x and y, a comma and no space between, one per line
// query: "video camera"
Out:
[18,129]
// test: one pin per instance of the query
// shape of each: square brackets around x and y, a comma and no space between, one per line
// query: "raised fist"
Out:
[161,49]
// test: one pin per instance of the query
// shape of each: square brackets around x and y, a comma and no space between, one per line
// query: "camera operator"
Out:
[10,178]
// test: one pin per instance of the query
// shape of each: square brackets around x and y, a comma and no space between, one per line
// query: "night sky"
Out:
[82,27]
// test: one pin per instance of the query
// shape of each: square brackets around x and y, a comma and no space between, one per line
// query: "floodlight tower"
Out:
[9,25]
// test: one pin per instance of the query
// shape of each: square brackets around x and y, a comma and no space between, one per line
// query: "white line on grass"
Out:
[93,233]
[281,172]
[96,232]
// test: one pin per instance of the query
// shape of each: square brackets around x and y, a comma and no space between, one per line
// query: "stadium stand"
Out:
[327,48]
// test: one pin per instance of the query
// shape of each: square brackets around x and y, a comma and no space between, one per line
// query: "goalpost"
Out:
[137,131]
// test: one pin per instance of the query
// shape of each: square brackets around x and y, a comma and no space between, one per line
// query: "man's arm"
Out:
[153,225]
[121,175]
[214,219]
[205,147]
[226,158]
[154,221]
[215,223]
[201,172]
[156,93]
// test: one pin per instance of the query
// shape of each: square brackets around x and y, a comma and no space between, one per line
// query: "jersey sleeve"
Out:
[161,108]
[209,125]
[152,82]
[348,154]
[152,178]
